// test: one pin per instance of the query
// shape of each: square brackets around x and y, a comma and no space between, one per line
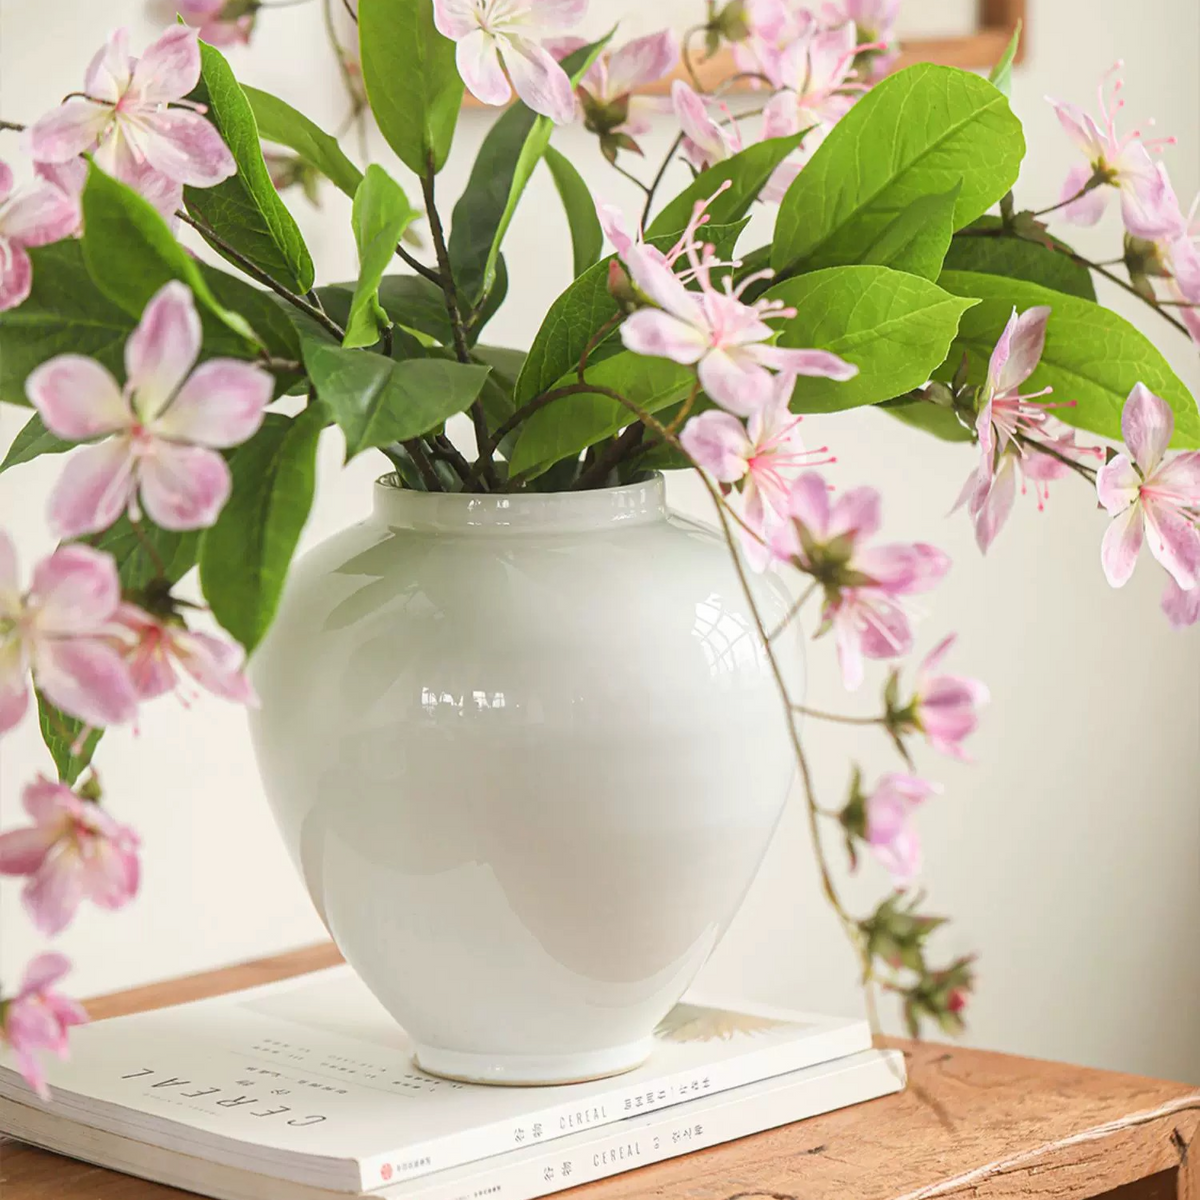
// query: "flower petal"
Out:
[109,72]
[169,68]
[95,488]
[14,684]
[1174,541]
[186,147]
[110,877]
[848,640]
[71,129]
[806,362]
[162,349]
[552,15]
[216,665]
[220,405]
[538,79]
[75,591]
[718,443]
[698,127]
[1119,549]
[1117,484]
[88,679]
[1182,608]
[165,193]
[52,896]
[641,61]
[995,504]
[1148,204]
[455,19]
[1026,343]
[653,332]
[183,487]
[735,382]
[77,398]
[857,512]
[1089,208]
[808,503]
[16,275]
[478,63]
[22,851]
[39,215]
[1080,128]
[1147,424]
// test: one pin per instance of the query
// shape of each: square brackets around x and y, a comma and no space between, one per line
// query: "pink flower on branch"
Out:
[214,25]
[864,586]
[157,650]
[135,119]
[59,632]
[34,216]
[73,850]
[945,708]
[1150,497]
[37,1018]
[727,340]
[1011,426]
[1148,205]
[889,832]
[162,430]
[501,40]
[706,140]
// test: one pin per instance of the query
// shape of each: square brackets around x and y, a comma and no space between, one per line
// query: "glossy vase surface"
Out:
[527,754]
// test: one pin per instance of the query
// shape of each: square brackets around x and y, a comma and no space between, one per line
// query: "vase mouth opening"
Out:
[639,503]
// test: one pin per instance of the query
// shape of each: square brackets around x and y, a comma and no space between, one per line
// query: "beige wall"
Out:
[1069,855]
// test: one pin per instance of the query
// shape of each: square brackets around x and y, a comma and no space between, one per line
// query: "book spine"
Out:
[620,1104]
[643,1141]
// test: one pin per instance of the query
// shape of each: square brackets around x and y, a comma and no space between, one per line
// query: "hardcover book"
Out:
[311,1081]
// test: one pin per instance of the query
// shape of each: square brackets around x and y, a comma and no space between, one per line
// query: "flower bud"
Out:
[732,22]
[621,288]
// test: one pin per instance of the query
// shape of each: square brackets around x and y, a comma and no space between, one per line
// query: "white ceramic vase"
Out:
[527,755]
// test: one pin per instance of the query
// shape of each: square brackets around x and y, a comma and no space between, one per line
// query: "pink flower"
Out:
[815,92]
[864,585]
[705,141]
[58,630]
[37,1018]
[1147,203]
[875,22]
[35,216]
[945,707]
[73,849]
[727,340]
[495,36]
[889,834]
[165,194]
[126,120]
[771,27]
[215,28]
[1182,608]
[1150,496]
[156,649]
[1181,256]
[1010,425]
[167,424]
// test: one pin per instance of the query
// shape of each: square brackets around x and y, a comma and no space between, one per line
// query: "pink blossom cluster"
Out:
[219,22]
[150,444]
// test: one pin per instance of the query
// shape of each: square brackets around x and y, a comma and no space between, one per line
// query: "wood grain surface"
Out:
[973,1124]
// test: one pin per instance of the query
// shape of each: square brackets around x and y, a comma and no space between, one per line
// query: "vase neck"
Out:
[522,513]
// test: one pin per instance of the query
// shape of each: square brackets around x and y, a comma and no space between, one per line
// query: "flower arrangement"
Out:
[187,399]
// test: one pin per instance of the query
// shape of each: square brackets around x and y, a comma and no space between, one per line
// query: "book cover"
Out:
[525,1174]
[312,1081]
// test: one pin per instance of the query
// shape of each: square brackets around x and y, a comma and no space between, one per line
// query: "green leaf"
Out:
[61,735]
[245,556]
[65,312]
[411,80]
[573,423]
[377,401]
[262,311]
[1001,74]
[381,214]
[32,442]
[929,418]
[245,210]
[1018,258]
[580,311]
[148,554]
[895,328]
[1092,356]
[587,238]
[280,123]
[917,240]
[130,253]
[416,303]
[917,133]
[506,160]
[748,170]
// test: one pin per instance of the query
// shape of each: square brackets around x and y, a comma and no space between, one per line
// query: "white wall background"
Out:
[1069,855]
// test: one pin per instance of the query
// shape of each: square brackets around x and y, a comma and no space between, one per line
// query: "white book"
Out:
[310,1080]
[520,1174]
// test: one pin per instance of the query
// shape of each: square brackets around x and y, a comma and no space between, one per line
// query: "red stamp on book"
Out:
[386,1171]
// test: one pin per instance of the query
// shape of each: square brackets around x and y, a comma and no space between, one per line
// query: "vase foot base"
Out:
[532,1070]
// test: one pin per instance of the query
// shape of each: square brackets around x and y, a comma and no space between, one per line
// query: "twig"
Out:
[353,15]
[840,718]
[424,466]
[686,55]
[593,342]
[15,126]
[442,447]
[658,178]
[316,313]
[1088,473]
[450,292]
[418,266]
[151,550]
[605,463]
[620,170]
[286,366]
[794,611]
[1092,183]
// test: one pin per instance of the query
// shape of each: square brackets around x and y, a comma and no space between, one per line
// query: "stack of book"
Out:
[307,1089]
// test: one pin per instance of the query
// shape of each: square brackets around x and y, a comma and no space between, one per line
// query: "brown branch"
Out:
[607,462]
[424,466]
[418,266]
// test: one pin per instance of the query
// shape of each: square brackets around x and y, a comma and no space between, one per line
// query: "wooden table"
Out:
[972,1124]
